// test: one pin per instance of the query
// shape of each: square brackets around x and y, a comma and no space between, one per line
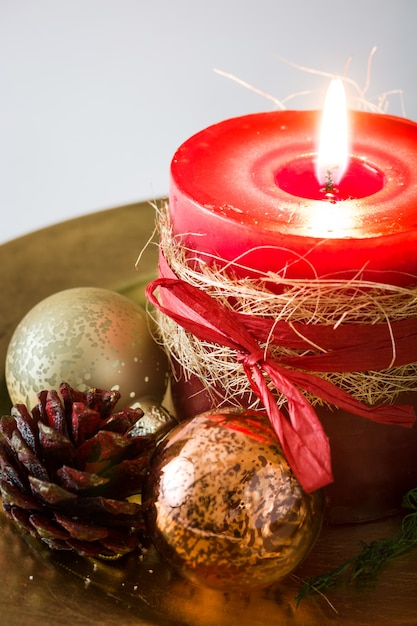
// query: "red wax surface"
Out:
[299,178]
[234,196]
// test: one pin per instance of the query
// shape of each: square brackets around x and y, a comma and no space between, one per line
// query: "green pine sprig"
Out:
[367,563]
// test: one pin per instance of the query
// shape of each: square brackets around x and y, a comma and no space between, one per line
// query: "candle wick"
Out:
[328,182]
[329,190]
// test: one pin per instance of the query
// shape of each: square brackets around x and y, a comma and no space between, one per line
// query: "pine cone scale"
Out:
[107,510]
[84,548]
[80,531]
[84,422]
[22,519]
[102,450]
[55,446]
[78,481]
[27,458]
[55,413]
[118,543]
[127,476]
[45,528]
[10,470]
[11,495]
[122,421]
[50,493]
[26,426]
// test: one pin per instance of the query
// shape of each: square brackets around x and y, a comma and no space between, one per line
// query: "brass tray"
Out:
[42,587]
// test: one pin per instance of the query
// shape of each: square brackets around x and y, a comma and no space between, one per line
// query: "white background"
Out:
[96,95]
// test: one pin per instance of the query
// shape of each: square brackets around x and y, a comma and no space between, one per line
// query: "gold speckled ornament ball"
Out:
[224,507]
[87,337]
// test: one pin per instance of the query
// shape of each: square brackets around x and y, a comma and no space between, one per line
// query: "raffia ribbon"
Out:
[348,348]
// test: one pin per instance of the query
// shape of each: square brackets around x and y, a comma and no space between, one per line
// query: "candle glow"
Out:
[332,159]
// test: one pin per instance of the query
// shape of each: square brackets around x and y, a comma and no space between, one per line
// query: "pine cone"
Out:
[68,467]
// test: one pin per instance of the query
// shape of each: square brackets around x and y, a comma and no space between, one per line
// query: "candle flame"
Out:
[332,158]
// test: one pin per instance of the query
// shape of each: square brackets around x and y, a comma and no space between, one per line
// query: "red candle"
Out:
[246,190]
[252,194]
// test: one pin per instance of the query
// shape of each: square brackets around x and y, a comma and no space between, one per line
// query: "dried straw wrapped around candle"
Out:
[328,303]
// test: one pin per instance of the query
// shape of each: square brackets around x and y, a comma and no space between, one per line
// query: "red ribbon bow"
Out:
[301,434]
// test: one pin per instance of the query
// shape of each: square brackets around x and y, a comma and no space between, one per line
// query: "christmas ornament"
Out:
[223,506]
[68,468]
[88,337]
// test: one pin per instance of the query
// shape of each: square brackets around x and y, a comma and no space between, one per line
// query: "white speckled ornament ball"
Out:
[87,337]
